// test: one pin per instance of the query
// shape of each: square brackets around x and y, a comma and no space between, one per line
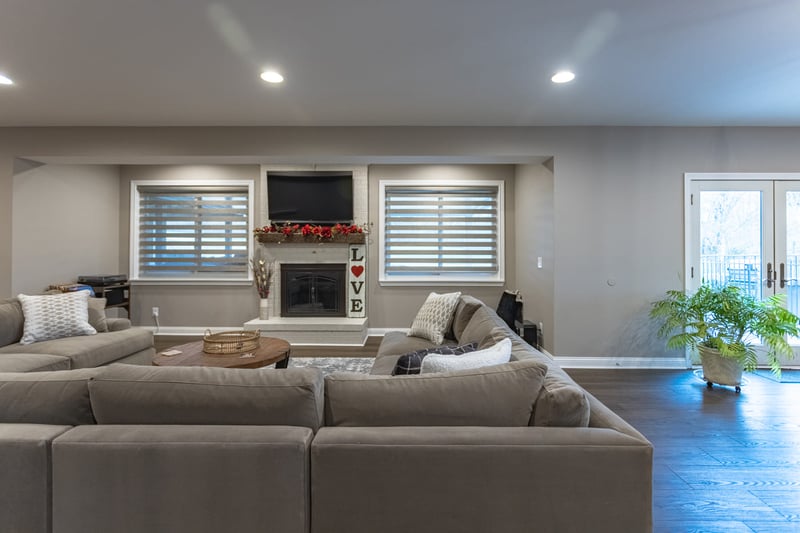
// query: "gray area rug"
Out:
[335,364]
[787,376]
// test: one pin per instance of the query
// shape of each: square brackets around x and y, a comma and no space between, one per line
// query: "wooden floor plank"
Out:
[722,461]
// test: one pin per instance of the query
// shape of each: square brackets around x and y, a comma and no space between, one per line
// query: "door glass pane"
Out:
[792,251]
[730,239]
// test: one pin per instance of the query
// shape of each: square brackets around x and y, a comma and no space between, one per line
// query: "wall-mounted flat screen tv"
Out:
[306,197]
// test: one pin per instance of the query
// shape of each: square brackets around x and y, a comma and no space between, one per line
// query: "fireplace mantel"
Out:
[299,238]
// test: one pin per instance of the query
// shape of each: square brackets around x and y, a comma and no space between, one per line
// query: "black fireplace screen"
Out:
[314,289]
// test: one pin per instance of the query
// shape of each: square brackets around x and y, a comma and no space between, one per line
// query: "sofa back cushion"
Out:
[59,397]
[466,307]
[480,326]
[561,402]
[499,396]
[11,321]
[132,394]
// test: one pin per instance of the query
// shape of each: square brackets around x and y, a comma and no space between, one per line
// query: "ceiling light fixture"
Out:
[5,80]
[563,76]
[271,76]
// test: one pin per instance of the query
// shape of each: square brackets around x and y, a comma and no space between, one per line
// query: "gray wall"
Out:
[617,195]
[65,223]
[191,304]
[534,239]
[397,306]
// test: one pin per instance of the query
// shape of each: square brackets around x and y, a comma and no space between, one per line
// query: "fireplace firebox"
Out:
[313,289]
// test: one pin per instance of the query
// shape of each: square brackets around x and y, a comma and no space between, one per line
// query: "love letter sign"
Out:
[357,286]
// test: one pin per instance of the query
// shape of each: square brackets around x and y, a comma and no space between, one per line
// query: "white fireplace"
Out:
[350,329]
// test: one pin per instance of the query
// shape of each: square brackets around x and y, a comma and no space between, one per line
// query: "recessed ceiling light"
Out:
[562,76]
[5,80]
[271,76]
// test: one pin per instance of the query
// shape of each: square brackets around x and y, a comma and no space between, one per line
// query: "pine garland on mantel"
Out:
[295,233]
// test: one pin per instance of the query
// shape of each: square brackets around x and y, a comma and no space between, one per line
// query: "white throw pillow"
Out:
[53,316]
[434,317]
[494,355]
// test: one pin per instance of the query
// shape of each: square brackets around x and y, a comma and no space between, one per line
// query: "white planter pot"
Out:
[720,370]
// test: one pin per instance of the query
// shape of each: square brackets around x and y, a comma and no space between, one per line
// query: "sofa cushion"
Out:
[97,314]
[466,307]
[395,344]
[32,362]
[480,327]
[494,355]
[54,316]
[561,402]
[60,397]
[11,321]
[93,350]
[501,395]
[435,316]
[411,363]
[134,394]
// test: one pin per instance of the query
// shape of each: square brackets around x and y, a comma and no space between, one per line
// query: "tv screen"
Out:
[310,197]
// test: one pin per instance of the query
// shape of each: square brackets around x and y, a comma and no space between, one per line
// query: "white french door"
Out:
[744,229]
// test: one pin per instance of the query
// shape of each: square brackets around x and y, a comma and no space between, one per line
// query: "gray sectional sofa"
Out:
[116,341]
[516,447]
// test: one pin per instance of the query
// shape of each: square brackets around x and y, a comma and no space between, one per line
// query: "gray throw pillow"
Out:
[97,314]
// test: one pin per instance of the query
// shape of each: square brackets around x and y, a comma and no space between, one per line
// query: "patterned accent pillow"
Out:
[434,317]
[494,355]
[53,316]
[411,363]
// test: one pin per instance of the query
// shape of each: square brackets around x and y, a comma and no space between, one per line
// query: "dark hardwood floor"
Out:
[724,462]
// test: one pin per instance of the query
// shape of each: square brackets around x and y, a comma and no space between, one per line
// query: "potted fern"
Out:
[723,323]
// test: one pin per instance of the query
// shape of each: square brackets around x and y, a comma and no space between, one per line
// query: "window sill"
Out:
[186,282]
[446,282]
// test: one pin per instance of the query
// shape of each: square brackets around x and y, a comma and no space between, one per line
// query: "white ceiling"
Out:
[400,62]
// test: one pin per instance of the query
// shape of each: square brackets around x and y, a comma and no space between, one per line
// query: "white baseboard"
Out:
[380,332]
[663,363]
[187,331]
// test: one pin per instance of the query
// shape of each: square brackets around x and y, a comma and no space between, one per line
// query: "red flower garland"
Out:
[321,232]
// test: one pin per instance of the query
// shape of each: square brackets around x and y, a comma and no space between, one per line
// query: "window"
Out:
[440,234]
[191,232]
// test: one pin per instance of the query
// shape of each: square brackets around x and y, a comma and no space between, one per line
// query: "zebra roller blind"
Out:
[190,231]
[440,230]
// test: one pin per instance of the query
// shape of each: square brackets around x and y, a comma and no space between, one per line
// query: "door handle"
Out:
[784,281]
[769,275]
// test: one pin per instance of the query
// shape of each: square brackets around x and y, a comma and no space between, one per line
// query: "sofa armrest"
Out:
[480,479]
[25,503]
[118,324]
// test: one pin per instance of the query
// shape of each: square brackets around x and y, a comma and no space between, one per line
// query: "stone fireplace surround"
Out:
[307,330]
[312,330]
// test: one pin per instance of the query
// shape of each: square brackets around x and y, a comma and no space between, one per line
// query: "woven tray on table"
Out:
[230,342]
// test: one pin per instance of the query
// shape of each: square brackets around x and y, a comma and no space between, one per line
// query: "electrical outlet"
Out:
[155,312]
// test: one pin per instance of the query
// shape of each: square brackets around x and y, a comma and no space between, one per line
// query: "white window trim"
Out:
[187,280]
[497,279]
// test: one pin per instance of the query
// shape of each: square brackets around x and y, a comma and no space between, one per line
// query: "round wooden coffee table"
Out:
[270,350]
